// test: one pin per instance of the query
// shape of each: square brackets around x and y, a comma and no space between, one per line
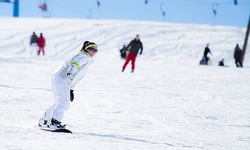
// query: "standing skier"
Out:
[33,43]
[206,51]
[41,44]
[63,81]
[238,56]
[133,49]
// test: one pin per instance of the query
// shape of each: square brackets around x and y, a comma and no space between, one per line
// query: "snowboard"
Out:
[57,130]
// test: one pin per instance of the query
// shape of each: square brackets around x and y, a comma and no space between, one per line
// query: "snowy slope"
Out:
[170,102]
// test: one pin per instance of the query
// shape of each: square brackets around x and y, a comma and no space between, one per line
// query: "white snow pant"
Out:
[33,47]
[61,92]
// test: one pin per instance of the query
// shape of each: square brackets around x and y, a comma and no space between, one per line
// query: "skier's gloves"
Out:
[69,78]
[71,95]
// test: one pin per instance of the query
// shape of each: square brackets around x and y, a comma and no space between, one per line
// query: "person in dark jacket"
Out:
[221,63]
[41,44]
[33,43]
[238,56]
[123,52]
[133,47]
[206,51]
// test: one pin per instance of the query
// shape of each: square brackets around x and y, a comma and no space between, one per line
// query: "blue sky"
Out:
[176,11]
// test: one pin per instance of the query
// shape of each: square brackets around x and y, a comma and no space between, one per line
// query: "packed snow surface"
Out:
[169,102]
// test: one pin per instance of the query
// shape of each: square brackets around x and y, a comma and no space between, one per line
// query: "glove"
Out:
[71,95]
[140,52]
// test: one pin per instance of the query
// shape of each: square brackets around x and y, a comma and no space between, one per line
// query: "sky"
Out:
[176,11]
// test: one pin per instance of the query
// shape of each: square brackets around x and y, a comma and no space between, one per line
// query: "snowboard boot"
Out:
[42,123]
[55,124]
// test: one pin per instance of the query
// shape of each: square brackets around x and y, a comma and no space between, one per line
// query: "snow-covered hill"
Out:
[170,102]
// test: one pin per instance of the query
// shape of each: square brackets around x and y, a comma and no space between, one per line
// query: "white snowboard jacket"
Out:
[76,65]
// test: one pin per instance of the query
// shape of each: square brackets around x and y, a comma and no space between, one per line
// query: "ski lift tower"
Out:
[16,8]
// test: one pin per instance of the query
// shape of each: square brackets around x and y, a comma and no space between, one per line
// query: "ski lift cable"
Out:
[76,11]
[80,5]
[157,2]
[195,2]
[92,10]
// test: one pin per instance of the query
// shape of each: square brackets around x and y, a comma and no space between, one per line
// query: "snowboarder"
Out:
[206,51]
[33,43]
[238,56]
[63,81]
[133,49]
[41,44]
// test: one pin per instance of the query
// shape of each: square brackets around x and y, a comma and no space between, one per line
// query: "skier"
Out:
[133,49]
[63,81]
[41,44]
[206,51]
[238,56]
[33,43]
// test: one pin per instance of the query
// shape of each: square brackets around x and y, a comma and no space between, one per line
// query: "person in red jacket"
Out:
[41,44]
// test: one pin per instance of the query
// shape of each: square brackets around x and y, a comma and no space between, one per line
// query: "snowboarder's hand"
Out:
[71,95]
